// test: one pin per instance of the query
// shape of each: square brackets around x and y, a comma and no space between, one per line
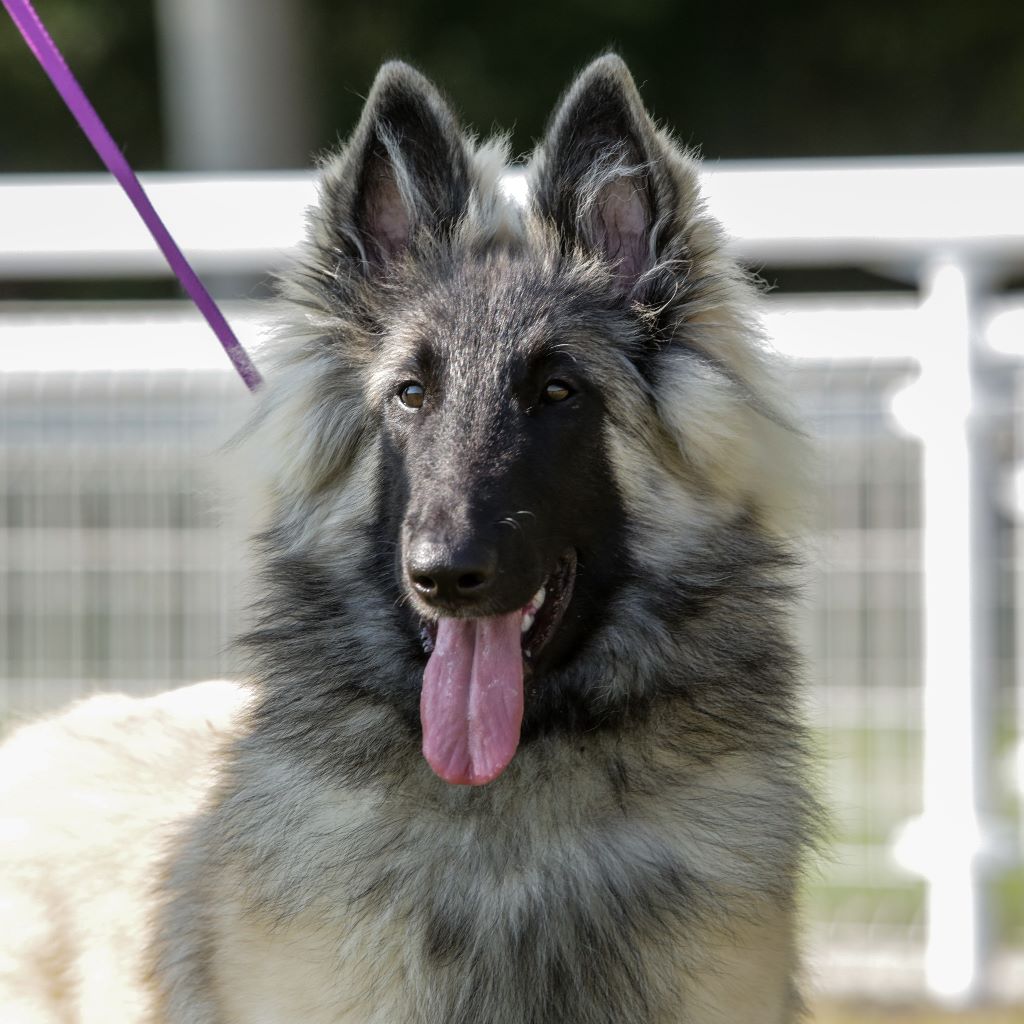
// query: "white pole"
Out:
[235,84]
[956,661]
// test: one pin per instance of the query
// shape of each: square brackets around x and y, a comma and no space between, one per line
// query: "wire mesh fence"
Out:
[118,570]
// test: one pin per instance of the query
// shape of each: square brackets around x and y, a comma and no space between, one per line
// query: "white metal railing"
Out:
[951,229]
[894,214]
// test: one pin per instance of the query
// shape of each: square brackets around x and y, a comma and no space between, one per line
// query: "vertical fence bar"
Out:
[956,567]
[235,83]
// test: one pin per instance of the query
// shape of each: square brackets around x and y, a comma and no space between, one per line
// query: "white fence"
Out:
[916,609]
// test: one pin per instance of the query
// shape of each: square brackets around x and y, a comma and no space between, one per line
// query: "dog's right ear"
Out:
[405,170]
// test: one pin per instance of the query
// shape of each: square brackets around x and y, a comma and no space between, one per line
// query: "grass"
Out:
[866,1014]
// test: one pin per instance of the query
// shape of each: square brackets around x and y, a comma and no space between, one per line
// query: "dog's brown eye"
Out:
[411,395]
[556,391]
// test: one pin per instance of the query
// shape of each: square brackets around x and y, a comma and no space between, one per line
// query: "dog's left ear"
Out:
[597,174]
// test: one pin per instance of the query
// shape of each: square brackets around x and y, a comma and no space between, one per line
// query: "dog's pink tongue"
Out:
[471,705]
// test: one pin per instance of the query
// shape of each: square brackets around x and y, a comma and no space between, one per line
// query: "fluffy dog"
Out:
[521,743]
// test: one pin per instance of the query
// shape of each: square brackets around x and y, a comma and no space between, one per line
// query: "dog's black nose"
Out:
[451,574]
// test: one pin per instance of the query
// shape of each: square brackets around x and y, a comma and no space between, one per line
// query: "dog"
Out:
[521,741]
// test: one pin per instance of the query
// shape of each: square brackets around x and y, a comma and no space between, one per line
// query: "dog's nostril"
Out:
[471,581]
[425,585]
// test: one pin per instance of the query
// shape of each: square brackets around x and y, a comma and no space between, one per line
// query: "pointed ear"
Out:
[596,173]
[405,169]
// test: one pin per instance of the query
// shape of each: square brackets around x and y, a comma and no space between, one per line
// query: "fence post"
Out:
[956,567]
[235,85]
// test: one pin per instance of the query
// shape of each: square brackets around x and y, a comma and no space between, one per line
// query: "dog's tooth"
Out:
[538,599]
[527,622]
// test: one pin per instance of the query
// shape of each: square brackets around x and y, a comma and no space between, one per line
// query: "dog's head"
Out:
[525,421]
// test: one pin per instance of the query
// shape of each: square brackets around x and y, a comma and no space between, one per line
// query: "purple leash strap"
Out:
[49,56]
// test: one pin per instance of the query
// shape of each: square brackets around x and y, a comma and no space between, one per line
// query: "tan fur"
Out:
[746,976]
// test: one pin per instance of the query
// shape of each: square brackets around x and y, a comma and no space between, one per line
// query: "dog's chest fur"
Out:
[567,894]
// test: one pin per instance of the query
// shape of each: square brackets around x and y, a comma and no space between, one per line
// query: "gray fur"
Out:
[638,858]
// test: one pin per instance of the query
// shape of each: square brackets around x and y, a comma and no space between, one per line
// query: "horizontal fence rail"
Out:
[165,336]
[801,213]
[915,613]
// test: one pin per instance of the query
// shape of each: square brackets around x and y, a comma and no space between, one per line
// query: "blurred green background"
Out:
[739,79]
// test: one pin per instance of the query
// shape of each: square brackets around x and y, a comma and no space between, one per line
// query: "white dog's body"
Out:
[91,801]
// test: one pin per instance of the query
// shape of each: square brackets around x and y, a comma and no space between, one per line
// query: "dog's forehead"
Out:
[474,313]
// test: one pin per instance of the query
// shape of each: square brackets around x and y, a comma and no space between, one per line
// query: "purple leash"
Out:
[32,28]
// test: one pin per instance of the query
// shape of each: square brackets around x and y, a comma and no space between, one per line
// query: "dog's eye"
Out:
[411,395]
[556,391]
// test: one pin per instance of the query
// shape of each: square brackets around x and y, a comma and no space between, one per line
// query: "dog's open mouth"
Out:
[541,616]
[471,703]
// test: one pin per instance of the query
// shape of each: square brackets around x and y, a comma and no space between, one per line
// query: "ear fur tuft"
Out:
[406,168]
[595,174]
